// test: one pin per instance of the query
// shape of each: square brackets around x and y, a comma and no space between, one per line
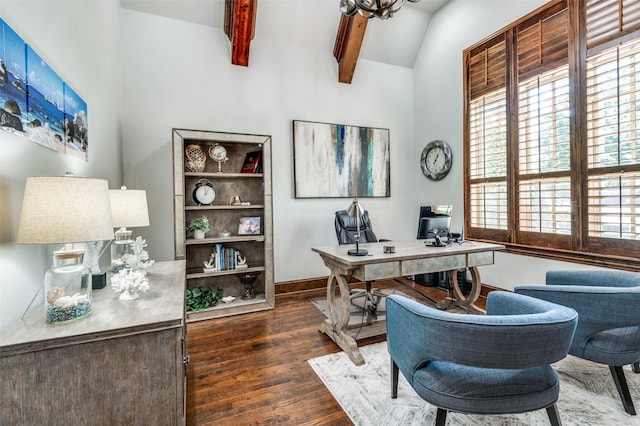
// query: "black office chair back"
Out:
[347,228]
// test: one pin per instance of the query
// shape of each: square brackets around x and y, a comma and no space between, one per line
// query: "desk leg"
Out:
[336,325]
[459,300]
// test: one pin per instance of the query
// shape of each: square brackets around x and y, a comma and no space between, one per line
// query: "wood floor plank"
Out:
[252,369]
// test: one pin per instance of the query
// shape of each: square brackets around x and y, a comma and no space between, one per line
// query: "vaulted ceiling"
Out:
[314,24]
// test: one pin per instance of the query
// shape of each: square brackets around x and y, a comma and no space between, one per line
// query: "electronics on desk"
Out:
[434,223]
[433,227]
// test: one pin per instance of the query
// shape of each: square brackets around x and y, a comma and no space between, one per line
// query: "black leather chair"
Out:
[346,231]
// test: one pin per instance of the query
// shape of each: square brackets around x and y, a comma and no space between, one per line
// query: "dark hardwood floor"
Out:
[252,369]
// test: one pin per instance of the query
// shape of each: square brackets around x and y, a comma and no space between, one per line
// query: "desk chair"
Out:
[346,231]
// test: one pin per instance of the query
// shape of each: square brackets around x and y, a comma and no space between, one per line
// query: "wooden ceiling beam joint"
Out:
[347,46]
[239,25]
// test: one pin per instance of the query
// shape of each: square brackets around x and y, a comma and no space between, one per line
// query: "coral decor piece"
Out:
[129,282]
[137,260]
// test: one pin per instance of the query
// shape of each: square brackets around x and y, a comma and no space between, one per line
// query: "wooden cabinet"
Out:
[243,199]
[123,364]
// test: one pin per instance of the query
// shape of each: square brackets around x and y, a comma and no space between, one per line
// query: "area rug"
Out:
[587,394]
[358,315]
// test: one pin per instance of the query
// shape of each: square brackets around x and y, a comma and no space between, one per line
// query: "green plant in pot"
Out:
[199,227]
[200,298]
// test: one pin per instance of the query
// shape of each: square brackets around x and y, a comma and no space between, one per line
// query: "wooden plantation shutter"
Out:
[552,134]
[611,21]
[613,125]
[543,41]
[544,163]
[486,199]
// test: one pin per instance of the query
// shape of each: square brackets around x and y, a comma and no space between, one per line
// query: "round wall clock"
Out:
[204,193]
[436,160]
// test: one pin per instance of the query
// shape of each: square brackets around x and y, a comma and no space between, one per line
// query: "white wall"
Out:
[80,41]
[177,74]
[438,81]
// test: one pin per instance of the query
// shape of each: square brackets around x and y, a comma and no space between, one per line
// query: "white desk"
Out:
[410,258]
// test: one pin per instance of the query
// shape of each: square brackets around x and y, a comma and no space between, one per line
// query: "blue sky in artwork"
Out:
[72,102]
[12,50]
[45,80]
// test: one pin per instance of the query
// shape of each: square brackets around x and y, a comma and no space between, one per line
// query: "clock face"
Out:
[436,160]
[218,153]
[204,193]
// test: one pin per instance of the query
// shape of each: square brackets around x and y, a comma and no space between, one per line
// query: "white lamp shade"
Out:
[129,208]
[65,209]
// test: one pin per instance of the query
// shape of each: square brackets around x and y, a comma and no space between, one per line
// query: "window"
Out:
[553,141]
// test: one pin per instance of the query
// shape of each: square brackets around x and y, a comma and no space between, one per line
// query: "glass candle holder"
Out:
[67,288]
[121,250]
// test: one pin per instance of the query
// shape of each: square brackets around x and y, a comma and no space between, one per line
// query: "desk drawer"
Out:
[481,258]
[377,271]
[433,264]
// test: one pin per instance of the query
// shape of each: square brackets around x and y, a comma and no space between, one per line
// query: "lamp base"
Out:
[358,252]
[99,281]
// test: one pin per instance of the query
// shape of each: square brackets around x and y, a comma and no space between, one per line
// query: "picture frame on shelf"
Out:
[252,162]
[249,225]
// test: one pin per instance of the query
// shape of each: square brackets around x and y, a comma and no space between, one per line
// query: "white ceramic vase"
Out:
[198,234]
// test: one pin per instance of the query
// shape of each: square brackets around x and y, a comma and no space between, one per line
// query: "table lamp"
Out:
[65,210]
[356,210]
[128,208]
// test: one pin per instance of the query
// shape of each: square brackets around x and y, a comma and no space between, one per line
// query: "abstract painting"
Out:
[340,161]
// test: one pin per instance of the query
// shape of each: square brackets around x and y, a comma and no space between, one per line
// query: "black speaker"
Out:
[433,279]
[442,281]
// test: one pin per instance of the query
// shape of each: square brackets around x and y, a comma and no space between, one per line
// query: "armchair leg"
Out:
[623,388]
[394,379]
[636,367]
[441,417]
[554,415]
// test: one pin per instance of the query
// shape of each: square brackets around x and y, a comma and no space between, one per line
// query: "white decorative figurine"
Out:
[128,283]
[140,258]
[241,261]
[210,265]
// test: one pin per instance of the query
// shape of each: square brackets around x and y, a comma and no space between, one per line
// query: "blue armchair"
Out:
[608,305]
[497,363]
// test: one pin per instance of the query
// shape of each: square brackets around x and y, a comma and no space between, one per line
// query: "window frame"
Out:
[578,247]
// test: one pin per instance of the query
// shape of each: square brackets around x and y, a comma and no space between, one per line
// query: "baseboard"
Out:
[312,284]
[299,286]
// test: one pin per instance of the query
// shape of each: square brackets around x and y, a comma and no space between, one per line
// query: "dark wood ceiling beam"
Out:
[240,25]
[348,43]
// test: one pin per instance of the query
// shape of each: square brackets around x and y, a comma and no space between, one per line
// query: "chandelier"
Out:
[383,9]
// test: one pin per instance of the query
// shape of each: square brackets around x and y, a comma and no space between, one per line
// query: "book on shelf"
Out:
[222,259]
[252,162]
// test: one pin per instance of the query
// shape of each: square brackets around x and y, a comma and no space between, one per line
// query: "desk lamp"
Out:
[128,208]
[65,210]
[356,210]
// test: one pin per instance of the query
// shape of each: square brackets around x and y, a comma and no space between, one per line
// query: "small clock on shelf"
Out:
[203,193]
[436,160]
[218,153]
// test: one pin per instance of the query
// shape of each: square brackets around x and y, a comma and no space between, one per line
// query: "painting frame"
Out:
[340,160]
[249,225]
